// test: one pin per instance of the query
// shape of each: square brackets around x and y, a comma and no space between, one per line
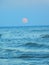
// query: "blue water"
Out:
[24,45]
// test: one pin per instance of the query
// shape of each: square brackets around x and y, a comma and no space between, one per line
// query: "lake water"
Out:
[24,45]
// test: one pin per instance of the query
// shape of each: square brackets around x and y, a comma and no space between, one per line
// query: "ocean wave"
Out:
[35,45]
[34,56]
[45,36]
[13,53]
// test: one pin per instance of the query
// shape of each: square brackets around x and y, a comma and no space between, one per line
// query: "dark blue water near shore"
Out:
[24,45]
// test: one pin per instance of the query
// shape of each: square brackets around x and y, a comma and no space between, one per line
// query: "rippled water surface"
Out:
[24,45]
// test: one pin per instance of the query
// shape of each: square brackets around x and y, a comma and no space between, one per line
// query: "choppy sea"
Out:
[24,45]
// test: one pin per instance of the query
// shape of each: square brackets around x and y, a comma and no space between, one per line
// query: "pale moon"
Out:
[24,20]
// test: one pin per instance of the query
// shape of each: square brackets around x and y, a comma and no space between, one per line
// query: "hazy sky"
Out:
[12,12]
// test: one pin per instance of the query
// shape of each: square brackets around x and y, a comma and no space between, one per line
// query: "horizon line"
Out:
[24,26]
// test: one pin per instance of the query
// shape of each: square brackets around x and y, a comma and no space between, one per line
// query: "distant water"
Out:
[24,45]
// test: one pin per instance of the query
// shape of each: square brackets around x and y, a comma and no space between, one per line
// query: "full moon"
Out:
[24,20]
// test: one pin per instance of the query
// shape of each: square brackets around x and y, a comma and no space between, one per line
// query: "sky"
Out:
[24,12]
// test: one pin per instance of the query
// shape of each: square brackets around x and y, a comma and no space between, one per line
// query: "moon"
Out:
[25,20]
